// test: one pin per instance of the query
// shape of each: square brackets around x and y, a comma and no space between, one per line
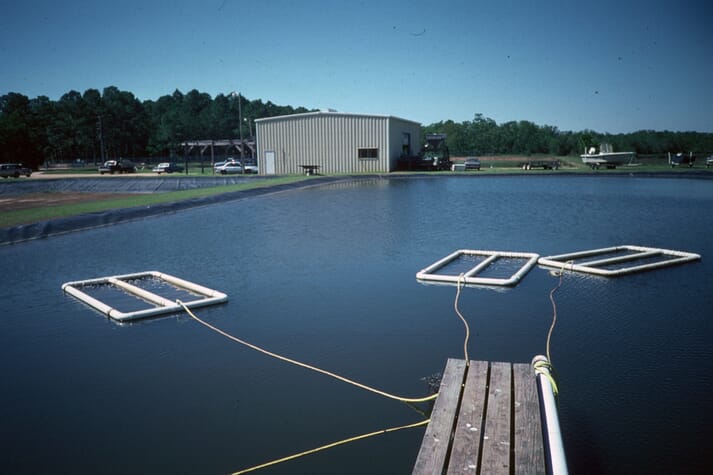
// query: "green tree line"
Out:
[114,123]
[483,136]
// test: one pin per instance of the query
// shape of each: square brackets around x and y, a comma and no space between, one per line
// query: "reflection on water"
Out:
[327,275]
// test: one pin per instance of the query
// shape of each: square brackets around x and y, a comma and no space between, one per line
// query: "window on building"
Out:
[368,153]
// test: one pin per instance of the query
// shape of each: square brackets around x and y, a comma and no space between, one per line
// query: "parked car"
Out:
[223,162]
[680,159]
[229,168]
[472,163]
[117,166]
[709,161]
[249,168]
[167,167]
[544,164]
[14,170]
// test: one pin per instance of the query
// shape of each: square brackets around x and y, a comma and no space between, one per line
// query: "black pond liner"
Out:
[54,227]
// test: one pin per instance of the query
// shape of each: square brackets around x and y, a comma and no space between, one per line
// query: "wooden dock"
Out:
[486,420]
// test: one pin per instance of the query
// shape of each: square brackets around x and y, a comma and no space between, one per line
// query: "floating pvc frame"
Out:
[161,306]
[470,277]
[567,261]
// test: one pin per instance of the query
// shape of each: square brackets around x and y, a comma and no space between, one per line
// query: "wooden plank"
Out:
[496,435]
[434,448]
[469,425]
[529,450]
[497,429]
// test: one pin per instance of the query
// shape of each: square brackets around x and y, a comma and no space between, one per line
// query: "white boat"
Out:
[606,157]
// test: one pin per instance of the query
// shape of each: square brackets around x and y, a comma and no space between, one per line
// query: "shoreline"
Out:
[58,226]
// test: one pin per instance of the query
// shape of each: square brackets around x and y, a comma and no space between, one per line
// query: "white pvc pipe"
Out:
[561,261]
[574,255]
[620,259]
[554,449]
[91,301]
[470,276]
[438,264]
[163,305]
[199,289]
[481,266]
[144,294]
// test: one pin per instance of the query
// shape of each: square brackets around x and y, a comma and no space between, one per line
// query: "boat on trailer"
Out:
[606,156]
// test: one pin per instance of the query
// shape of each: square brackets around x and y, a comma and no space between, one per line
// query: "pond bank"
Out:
[47,228]
[53,227]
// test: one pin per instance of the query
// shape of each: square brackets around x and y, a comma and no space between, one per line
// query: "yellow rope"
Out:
[540,366]
[544,368]
[554,309]
[333,444]
[554,313]
[467,328]
[304,365]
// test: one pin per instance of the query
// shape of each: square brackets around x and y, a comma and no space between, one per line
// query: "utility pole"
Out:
[100,129]
[240,121]
[251,136]
[240,126]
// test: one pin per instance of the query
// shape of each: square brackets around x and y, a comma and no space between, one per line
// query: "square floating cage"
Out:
[141,301]
[618,260]
[472,267]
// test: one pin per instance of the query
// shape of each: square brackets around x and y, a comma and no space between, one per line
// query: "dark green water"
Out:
[327,276]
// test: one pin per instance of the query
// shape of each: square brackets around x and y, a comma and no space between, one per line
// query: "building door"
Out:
[406,146]
[269,162]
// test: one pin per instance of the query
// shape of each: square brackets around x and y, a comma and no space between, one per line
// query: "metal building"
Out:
[333,142]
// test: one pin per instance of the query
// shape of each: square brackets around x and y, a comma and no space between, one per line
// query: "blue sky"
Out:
[610,66]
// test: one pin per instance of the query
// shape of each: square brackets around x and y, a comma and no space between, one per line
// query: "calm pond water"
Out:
[327,276]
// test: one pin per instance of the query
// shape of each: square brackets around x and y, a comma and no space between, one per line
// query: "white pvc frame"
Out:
[566,261]
[161,304]
[470,277]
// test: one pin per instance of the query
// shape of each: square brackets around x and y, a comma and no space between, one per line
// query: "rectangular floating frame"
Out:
[592,266]
[161,304]
[471,277]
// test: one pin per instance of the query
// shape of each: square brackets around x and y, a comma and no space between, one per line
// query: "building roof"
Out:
[332,113]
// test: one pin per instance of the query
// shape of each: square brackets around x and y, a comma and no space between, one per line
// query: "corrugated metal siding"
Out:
[332,141]
[397,129]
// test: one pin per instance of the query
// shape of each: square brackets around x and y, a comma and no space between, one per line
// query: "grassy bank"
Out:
[47,212]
